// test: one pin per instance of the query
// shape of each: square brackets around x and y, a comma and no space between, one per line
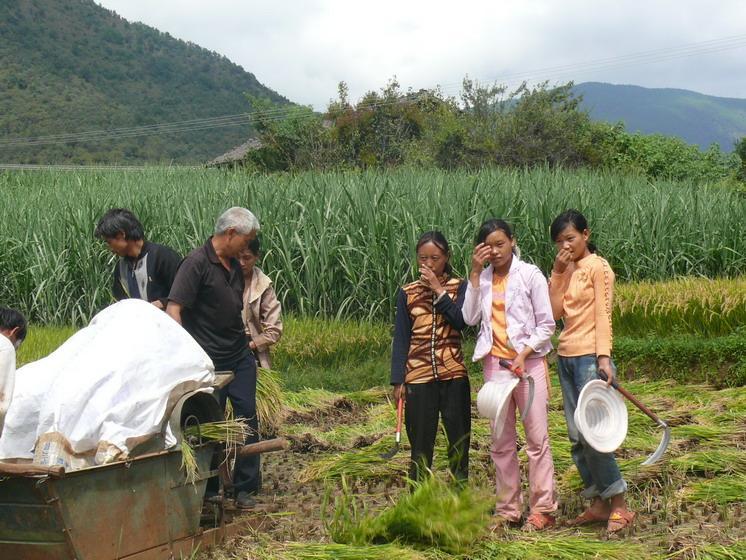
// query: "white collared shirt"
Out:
[7,376]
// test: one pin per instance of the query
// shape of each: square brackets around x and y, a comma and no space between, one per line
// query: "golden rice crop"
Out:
[709,307]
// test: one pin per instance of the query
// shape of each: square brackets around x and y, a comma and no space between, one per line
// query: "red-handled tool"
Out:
[394,450]
[524,377]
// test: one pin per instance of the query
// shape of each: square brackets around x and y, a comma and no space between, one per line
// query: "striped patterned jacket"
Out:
[427,333]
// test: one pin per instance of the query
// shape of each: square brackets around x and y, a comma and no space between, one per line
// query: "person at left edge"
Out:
[206,299]
[12,333]
[145,270]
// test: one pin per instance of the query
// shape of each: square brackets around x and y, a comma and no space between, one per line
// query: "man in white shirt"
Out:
[12,334]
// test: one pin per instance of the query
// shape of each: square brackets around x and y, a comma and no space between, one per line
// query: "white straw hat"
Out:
[601,416]
[492,400]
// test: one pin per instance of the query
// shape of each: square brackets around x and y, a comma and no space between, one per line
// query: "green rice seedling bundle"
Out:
[710,434]
[268,401]
[735,551]
[308,399]
[189,462]
[231,432]
[560,547]
[435,514]
[711,461]
[377,421]
[692,395]
[722,490]
[364,463]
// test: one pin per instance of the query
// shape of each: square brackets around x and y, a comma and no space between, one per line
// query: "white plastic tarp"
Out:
[110,383]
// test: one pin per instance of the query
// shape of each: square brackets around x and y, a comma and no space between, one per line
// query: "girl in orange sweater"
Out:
[581,290]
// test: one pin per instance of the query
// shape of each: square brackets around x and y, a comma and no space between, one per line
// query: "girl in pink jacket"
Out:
[509,299]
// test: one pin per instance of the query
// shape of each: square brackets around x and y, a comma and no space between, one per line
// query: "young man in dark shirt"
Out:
[145,270]
[206,299]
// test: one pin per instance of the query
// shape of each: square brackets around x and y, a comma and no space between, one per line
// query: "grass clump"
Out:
[434,514]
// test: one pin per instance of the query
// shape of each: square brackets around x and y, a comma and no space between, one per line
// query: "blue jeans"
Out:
[599,471]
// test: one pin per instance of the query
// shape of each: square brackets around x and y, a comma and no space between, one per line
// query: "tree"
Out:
[740,150]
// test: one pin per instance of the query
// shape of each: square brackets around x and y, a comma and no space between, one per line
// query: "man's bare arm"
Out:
[173,310]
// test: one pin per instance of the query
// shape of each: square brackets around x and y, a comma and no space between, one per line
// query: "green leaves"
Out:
[340,244]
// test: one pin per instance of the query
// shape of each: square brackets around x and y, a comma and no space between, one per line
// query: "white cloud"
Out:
[303,49]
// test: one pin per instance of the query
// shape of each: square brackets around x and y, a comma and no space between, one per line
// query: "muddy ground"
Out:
[670,521]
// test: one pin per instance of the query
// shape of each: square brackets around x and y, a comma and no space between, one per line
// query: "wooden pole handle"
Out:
[277,444]
[629,396]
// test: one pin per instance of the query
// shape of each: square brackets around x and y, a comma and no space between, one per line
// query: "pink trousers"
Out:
[504,449]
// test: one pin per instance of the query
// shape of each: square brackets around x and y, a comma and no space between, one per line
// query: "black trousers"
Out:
[242,393]
[451,400]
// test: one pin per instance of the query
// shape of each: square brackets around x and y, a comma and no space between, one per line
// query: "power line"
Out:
[197,124]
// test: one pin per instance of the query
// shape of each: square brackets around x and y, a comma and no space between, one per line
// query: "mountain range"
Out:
[697,118]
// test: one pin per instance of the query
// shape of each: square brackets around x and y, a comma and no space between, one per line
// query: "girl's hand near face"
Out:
[429,279]
[563,258]
[479,258]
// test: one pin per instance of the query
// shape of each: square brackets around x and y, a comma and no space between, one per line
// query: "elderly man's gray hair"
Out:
[240,219]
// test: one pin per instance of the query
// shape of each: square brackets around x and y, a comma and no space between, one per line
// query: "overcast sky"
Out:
[302,49]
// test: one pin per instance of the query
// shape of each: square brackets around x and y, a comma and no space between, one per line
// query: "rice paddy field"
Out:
[331,495]
[338,245]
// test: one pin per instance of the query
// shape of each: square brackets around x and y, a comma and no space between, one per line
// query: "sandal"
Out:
[499,522]
[620,519]
[587,518]
[539,521]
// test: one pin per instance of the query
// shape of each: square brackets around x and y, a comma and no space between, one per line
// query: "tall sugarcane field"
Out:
[337,247]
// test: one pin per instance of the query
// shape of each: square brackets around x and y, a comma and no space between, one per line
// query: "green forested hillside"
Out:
[694,117]
[73,66]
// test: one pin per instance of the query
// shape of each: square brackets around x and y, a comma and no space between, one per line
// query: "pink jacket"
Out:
[528,311]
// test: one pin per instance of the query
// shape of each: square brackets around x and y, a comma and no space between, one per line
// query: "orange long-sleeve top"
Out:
[582,296]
